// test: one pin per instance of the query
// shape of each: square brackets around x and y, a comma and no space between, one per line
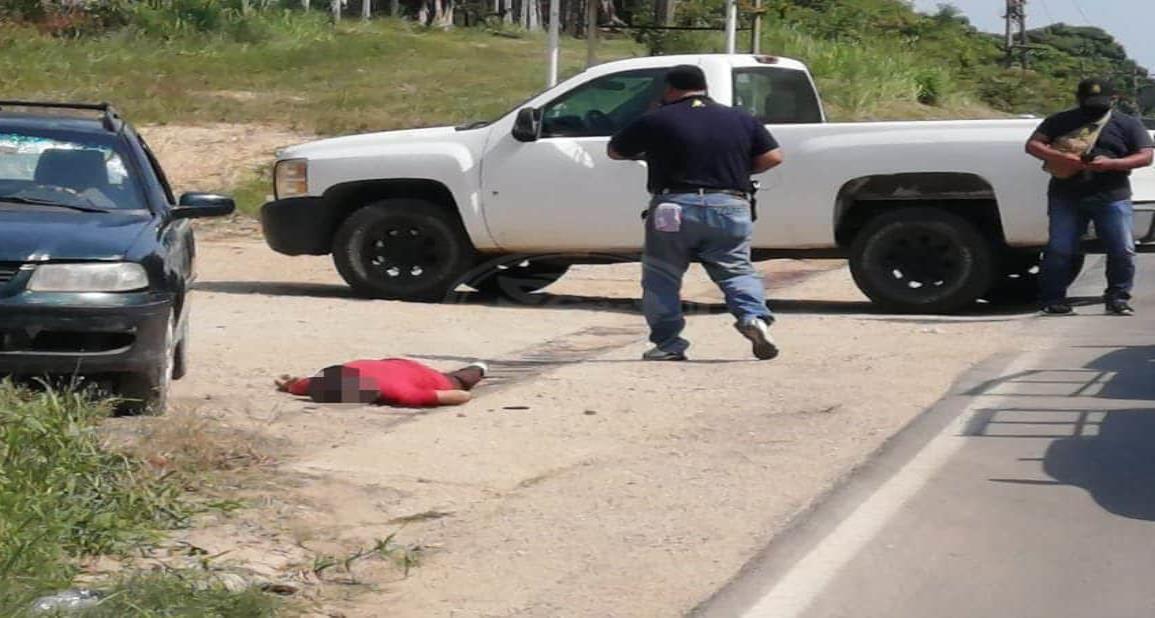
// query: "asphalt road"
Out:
[1030,491]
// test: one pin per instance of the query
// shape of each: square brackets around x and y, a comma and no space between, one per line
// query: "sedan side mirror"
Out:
[200,205]
[527,126]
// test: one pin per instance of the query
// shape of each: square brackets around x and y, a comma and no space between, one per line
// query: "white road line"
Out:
[802,584]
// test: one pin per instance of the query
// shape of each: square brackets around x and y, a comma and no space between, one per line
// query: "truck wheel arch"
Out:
[307,226]
[967,195]
[344,199]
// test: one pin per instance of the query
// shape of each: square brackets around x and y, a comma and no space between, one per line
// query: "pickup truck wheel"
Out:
[1018,280]
[515,280]
[921,260]
[402,249]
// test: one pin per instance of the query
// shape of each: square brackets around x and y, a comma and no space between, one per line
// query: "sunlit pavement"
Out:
[1030,491]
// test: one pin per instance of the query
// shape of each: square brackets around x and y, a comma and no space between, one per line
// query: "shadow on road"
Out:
[1126,372]
[1110,453]
[278,288]
[548,300]
[1117,466]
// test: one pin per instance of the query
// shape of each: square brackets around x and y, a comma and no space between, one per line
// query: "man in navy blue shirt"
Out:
[700,156]
[1092,184]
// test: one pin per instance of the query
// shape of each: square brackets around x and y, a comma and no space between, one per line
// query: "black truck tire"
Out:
[922,260]
[147,392]
[513,281]
[180,355]
[1018,278]
[402,249]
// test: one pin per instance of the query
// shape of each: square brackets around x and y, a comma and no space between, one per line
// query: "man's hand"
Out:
[283,382]
[1104,164]
[1140,159]
[1064,163]
[1067,164]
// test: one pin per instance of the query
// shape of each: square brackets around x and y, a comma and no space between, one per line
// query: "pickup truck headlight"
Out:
[291,178]
[116,277]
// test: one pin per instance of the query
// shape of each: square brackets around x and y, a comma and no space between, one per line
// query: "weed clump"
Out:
[65,495]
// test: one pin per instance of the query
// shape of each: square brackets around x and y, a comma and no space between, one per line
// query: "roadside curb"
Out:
[810,525]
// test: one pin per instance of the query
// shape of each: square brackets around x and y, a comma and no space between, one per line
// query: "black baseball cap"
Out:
[686,77]
[1095,92]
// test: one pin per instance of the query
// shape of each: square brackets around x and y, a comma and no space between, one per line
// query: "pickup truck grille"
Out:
[8,270]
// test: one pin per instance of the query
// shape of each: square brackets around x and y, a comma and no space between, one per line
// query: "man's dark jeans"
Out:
[1113,226]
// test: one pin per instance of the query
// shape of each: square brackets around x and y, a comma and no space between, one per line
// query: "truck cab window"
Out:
[776,96]
[603,106]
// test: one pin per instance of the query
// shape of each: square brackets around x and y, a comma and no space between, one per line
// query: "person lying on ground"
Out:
[388,381]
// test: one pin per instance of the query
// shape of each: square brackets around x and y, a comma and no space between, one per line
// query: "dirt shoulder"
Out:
[581,482]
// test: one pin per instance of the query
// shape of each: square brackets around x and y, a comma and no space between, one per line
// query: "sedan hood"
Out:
[41,234]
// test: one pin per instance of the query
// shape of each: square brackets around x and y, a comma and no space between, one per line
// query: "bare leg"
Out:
[453,398]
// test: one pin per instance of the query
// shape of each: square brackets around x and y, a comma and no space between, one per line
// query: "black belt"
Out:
[705,191]
[750,197]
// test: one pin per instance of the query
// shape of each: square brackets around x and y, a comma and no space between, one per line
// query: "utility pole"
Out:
[756,31]
[1016,23]
[731,25]
[591,32]
[554,44]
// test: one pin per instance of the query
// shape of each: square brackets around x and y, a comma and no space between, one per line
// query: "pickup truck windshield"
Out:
[71,168]
[777,96]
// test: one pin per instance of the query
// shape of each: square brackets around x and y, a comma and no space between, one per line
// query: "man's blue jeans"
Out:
[1068,223]
[715,231]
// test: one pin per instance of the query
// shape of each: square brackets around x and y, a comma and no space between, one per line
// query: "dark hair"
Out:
[686,77]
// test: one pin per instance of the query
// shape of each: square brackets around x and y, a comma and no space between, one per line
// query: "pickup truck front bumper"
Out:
[299,225]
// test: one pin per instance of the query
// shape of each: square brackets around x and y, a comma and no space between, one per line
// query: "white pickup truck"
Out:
[931,215]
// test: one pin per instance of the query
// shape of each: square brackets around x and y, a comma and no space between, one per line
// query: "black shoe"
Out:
[1062,308]
[658,354]
[1119,307]
[758,332]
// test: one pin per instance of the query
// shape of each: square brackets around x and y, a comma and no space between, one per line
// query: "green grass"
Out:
[302,73]
[64,495]
[875,80]
[254,191]
[174,595]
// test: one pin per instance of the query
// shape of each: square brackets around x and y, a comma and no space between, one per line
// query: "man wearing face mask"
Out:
[1090,152]
[700,156]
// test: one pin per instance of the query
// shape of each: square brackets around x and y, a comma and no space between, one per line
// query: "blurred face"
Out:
[343,385]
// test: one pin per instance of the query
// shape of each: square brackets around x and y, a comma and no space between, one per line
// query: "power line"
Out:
[1047,10]
[1078,7]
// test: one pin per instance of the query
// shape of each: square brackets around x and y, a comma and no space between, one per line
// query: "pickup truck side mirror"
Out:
[527,126]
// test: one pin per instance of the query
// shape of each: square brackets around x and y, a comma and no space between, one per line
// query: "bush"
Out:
[62,494]
[180,594]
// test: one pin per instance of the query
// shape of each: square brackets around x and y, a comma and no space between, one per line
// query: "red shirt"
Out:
[402,382]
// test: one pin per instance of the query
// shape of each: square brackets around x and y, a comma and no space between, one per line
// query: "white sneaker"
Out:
[758,332]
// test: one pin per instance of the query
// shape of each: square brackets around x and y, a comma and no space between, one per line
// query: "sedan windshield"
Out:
[74,169]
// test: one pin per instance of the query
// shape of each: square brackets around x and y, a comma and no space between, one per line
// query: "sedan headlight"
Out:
[291,178]
[116,277]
